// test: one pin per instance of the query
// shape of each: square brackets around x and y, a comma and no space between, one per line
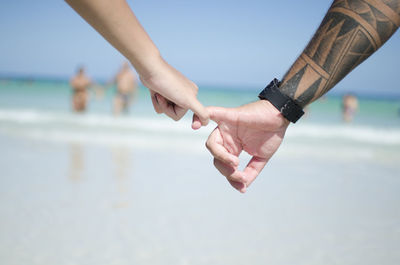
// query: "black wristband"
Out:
[286,105]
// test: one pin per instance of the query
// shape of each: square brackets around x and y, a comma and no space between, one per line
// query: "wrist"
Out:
[262,115]
[149,66]
[154,76]
[272,112]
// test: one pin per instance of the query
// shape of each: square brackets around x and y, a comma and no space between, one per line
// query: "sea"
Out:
[140,188]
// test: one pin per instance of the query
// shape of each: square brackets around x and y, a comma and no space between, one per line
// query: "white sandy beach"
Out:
[67,198]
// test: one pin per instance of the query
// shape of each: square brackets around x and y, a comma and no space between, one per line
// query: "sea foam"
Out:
[101,127]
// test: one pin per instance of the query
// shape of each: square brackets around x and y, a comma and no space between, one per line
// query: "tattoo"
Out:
[351,31]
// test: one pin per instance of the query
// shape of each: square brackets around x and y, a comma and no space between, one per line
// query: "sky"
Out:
[237,44]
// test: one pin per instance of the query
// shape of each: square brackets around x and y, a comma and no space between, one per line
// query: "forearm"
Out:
[116,22]
[351,31]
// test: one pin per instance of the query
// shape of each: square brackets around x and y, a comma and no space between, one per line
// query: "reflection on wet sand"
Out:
[77,163]
[120,158]
[122,167]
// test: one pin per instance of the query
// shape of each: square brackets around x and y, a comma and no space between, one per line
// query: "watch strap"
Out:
[286,105]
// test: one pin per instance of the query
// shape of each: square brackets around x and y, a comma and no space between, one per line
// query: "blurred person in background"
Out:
[349,107]
[126,82]
[80,84]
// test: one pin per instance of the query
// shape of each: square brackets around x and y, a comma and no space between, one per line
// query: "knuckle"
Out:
[174,117]
[196,88]
[208,145]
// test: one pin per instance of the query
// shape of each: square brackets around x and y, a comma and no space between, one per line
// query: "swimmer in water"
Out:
[126,82]
[80,84]
[349,107]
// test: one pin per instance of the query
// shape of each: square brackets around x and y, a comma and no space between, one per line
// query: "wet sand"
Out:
[75,203]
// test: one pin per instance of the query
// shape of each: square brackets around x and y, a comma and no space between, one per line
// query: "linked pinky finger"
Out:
[200,111]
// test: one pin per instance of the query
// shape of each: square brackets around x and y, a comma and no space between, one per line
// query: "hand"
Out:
[257,128]
[173,94]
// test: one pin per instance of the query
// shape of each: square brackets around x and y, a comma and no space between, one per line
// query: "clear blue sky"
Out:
[234,43]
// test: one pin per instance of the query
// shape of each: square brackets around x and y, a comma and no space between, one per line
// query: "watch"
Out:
[286,105]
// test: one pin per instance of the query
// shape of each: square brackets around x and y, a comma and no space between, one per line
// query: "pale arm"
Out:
[116,22]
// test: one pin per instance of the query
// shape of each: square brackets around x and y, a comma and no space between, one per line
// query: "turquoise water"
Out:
[25,106]
[42,110]
[55,96]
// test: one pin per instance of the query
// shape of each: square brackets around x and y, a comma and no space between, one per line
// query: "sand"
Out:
[71,202]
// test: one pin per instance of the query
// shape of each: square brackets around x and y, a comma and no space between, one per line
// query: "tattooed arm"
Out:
[351,31]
